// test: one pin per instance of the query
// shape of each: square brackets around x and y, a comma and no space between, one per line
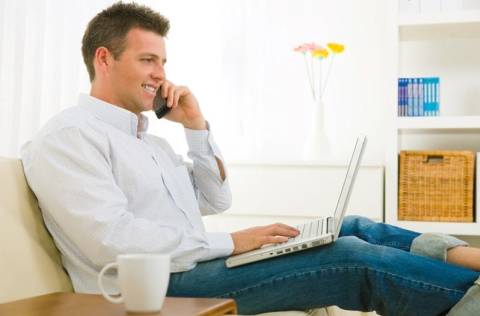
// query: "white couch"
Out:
[30,264]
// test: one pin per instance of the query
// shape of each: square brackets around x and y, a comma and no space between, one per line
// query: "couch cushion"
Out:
[30,263]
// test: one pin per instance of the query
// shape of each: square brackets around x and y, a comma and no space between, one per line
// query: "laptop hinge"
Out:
[330,224]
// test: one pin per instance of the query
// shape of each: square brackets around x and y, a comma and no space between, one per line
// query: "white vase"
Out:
[317,144]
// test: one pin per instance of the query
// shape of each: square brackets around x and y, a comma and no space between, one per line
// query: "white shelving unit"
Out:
[446,45]
[439,18]
[439,122]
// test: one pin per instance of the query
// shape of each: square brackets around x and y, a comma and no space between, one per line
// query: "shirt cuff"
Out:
[197,140]
[201,141]
[220,244]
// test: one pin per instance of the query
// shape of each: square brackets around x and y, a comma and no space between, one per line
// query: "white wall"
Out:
[236,56]
[261,109]
[296,193]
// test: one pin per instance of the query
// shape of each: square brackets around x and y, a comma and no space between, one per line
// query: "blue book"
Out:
[415,96]
[409,97]
[436,83]
[427,94]
[403,98]
[399,102]
[421,110]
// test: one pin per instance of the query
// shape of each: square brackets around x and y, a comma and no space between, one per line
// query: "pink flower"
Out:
[305,47]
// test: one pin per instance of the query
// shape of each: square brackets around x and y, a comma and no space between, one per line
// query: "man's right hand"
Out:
[256,237]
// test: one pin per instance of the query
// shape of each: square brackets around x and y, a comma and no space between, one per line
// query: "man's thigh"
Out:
[312,278]
[213,278]
[350,273]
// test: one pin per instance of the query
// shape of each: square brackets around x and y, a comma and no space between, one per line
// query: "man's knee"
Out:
[352,248]
[352,224]
[352,219]
[361,253]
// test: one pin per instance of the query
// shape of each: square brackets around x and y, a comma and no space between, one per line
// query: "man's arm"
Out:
[201,124]
[185,110]
[209,174]
[75,186]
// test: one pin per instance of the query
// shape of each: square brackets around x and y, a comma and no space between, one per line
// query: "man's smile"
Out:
[150,89]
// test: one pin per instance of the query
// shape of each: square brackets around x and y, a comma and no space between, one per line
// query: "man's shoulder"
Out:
[65,130]
[75,117]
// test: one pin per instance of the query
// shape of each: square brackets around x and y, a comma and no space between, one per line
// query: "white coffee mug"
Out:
[143,281]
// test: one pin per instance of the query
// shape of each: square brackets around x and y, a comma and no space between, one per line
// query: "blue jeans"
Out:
[368,269]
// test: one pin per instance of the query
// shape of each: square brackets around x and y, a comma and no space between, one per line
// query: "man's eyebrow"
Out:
[154,56]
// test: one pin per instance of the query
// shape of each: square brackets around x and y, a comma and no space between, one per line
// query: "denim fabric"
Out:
[368,268]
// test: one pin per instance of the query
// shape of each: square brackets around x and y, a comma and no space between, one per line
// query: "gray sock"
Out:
[435,245]
[469,305]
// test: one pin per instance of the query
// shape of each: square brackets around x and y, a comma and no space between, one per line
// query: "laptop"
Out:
[319,232]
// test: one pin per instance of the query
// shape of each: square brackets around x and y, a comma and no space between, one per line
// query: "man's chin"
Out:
[147,106]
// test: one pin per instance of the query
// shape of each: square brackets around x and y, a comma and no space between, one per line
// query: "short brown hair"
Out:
[109,29]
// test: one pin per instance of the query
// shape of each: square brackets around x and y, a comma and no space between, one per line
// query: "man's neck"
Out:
[100,94]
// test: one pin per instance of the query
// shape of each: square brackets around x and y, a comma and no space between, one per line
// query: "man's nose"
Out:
[159,73]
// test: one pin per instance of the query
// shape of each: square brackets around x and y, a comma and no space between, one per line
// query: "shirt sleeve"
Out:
[71,175]
[213,193]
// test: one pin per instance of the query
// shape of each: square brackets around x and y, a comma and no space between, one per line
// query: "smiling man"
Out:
[129,74]
[106,187]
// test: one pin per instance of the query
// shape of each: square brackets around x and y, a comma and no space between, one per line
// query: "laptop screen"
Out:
[348,182]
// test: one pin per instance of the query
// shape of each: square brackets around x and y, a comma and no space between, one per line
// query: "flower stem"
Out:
[312,83]
[309,74]
[328,74]
[320,72]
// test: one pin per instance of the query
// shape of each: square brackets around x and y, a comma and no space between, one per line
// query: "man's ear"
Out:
[102,60]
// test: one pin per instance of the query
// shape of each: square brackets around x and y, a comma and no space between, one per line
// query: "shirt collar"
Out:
[116,116]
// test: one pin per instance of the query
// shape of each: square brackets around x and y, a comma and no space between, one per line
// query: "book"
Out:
[418,96]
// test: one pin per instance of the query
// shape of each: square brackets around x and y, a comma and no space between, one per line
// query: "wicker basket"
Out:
[436,186]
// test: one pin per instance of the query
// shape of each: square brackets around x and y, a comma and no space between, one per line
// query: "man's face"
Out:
[139,72]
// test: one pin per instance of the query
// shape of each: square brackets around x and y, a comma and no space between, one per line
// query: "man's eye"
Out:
[148,60]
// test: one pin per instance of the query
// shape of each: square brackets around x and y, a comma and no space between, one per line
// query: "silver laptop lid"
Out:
[347,186]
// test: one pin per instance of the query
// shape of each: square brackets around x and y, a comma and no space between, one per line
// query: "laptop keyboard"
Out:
[308,230]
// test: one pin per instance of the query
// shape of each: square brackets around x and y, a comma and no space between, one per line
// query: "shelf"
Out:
[439,18]
[442,44]
[467,229]
[438,122]
[440,26]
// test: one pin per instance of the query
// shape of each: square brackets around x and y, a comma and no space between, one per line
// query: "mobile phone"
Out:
[160,105]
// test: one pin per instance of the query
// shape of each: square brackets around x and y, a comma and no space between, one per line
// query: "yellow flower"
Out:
[320,52]
[336,48]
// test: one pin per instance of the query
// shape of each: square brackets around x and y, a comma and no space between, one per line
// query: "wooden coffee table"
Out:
[72,304]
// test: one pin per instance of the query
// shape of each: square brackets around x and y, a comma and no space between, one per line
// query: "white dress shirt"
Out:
[106,188]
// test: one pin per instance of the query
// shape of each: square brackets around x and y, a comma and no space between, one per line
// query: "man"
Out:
[106,187]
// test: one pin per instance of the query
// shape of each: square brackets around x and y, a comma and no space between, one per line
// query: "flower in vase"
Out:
[314,55]
[306,47]
[320,52]
[336,48]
